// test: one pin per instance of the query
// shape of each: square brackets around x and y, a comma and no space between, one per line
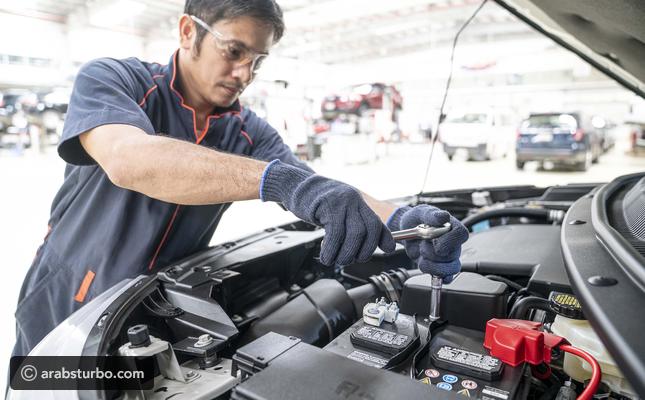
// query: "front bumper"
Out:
[478,150]
[556,156]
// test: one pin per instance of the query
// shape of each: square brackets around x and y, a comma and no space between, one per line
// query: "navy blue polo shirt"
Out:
[127,230]
[100,233]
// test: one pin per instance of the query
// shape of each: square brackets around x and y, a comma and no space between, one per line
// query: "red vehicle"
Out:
[358,99]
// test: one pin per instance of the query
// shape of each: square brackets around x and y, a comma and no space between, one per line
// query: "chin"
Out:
[224,101]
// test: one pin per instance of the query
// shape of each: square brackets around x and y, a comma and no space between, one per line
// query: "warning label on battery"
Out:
[367,358]
[495,393]
[380,335]
[475,360]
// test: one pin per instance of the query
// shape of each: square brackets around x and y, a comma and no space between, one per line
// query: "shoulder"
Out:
[131,72]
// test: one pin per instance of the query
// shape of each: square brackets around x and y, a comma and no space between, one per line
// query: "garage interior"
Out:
[503,74]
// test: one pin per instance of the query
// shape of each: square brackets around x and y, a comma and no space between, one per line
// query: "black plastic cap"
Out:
[566,304]
[138,335]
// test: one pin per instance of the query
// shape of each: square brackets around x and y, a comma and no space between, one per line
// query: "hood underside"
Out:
[608,34]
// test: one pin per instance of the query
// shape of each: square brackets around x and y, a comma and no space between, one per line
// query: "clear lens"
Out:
[234,52]
[258,62]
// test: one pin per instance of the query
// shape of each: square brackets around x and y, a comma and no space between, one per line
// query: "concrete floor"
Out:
[30,181]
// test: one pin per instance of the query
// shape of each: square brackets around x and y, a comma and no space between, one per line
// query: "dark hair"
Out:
[211,11]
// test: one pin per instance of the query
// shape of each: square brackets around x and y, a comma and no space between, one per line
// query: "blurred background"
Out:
[354,93]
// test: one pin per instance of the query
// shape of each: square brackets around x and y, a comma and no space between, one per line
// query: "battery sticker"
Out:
[450,378]
[468,384]
[382,336]
[495,392]
[432,373]
[464,357]
[464,392]
[426,381]
[367,358]
[444,386]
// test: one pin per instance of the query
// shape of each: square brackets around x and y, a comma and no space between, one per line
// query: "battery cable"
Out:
[596,374]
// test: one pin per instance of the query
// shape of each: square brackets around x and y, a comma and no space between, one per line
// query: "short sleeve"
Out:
[104,93]
[267,143]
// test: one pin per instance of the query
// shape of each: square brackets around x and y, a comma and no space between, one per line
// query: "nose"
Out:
[243,72]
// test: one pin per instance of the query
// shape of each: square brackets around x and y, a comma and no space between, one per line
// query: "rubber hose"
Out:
[364,294]
[508,282]
[506,212]
[520,308]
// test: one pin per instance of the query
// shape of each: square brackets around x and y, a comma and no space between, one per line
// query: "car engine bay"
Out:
[261,318]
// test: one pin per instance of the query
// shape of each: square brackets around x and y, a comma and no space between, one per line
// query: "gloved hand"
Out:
[439,256]
[352,229]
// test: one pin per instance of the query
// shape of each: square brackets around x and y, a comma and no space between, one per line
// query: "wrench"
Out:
[424,231]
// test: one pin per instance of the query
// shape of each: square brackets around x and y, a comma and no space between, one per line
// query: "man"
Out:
[157,153]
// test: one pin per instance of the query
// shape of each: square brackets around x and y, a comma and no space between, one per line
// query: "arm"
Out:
[384,209]
[171,170]
[269,146]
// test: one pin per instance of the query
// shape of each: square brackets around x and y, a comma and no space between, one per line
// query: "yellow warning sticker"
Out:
[464,392]
[426,381]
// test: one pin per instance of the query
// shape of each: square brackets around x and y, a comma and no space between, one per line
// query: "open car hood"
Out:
[608,34]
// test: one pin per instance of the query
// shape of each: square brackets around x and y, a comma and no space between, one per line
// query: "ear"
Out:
[187,32]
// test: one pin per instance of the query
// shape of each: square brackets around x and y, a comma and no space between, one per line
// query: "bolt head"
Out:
[598,280]
[236,318]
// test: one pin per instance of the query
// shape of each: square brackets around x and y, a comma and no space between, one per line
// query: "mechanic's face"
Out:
[217,75]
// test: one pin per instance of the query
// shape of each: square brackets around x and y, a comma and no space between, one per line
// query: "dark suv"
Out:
[567,139]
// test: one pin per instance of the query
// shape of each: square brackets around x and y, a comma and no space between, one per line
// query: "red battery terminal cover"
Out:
[515,341]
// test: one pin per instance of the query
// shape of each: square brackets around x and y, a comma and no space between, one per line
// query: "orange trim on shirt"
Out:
[163,239]
[152,89]
[85,286]
[199,136]
[246,135]
[248,138]
[143,101]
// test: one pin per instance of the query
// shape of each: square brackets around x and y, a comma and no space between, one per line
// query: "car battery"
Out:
[383,346]
[458,362]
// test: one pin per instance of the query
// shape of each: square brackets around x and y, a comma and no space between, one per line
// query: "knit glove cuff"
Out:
[279,180]
[394,221]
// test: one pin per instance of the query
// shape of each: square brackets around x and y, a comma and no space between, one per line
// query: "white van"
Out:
[478,134]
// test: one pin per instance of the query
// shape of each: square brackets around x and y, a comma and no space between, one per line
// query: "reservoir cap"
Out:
[566,304]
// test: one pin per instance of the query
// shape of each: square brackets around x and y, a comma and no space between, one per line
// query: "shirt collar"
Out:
[172,76]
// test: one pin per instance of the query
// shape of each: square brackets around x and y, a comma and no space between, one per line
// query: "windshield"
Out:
[468,118]
[563,121]
[362,89]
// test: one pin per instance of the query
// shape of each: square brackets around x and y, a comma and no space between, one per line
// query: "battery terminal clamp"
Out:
[516,341]
[381,311]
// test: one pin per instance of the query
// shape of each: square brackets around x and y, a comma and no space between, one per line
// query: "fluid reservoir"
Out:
[571,325]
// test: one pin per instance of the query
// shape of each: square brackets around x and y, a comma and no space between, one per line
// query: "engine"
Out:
[261,318]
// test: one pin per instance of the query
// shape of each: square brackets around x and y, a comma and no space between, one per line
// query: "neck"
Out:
[185,85]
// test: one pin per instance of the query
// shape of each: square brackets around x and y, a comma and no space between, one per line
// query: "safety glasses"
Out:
[233,50]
